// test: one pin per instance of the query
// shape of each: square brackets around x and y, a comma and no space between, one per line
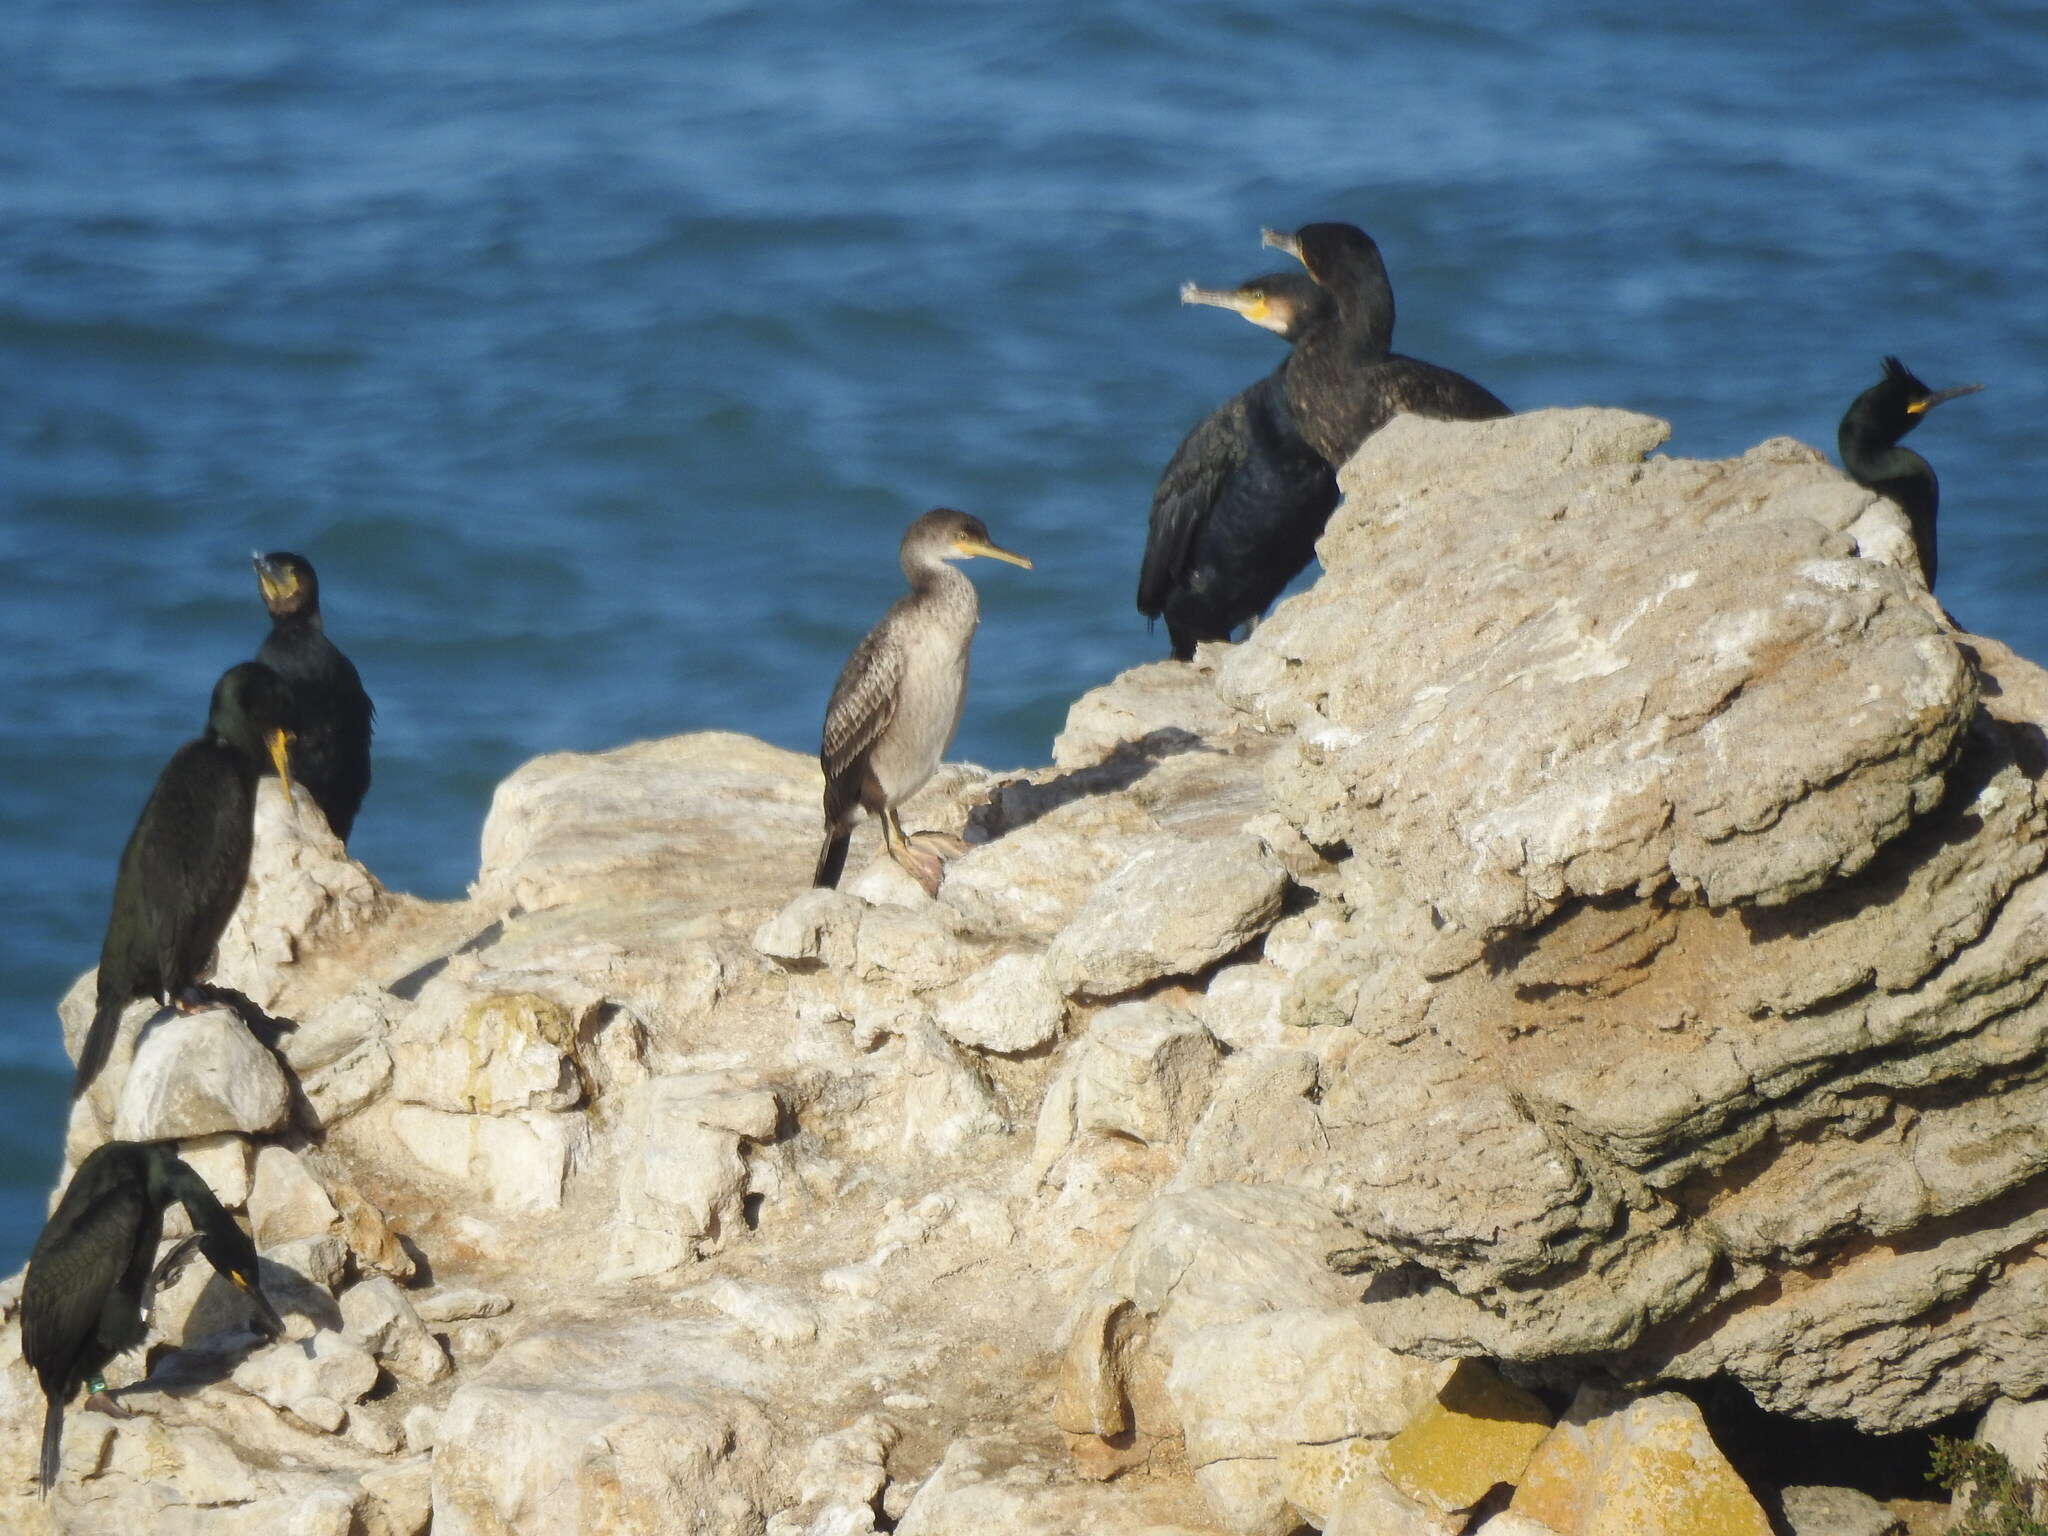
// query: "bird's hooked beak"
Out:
[1256,308]
[1928,402]
[265,1312]
[1282,240]
[994,552]
[279,741]
[279,584]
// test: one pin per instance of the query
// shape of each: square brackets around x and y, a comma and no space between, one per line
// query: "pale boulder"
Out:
[1010,1006]
[605,1428]
[200,1074]
[1173,907]
[286,1201]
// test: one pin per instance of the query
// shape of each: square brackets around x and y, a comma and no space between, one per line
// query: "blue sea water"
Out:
[596,351]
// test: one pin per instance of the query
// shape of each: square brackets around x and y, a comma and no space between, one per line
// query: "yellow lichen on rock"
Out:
[1647,1467]
[1480,1431]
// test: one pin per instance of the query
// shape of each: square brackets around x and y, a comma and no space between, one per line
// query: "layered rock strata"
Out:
[1591,942]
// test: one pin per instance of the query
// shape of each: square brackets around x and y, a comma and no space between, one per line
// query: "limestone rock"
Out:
[991,1484]
[1655,987]
[200,1074]
[459,1302]
[2018,1432]
[377,1315]
[1009,1006]
[1197,1260]
[1629,680]
[1027,882]
[1173,907]
[1478,1432]
[315,1379]
[1249,1393]
[1144,1071]
[1816,1511]
[1647,1467]
[519,1161]
[491,1054]
[286,1201]
[841,1483]
[399,1501]
[684,1171]
[223,1160]
[613,1426]
[816,927]
[711,812]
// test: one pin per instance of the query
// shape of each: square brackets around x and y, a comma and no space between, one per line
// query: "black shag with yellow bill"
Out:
[331,751]
[88,1278]
[898,697]
[188,857]
[1241,503]
[1344,380]
[1869,444]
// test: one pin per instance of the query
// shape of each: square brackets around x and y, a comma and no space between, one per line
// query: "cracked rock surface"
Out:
[1598,929]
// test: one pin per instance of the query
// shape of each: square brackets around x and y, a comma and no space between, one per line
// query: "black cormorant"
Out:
[1869,444]
[1243,500]
[898,697]
[188,857]
[1343,380]
[82,1299]
[331,750]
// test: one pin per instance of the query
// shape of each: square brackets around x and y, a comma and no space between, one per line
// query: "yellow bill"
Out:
[279,742]
[977,547]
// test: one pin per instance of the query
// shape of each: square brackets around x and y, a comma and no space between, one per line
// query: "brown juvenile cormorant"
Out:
[1869,445]
[898,698]
[1243,500]
[1343,379]
[188,857]
[82,1299]
[331,751]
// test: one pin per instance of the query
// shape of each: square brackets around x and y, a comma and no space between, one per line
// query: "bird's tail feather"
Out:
[832,857]
[53,1438]
[99,1044]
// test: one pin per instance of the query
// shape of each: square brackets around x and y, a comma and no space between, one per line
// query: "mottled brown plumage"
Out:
[898,698]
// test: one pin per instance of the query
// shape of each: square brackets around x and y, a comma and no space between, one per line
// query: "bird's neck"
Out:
[1365,313]
[305,621]
[1869,455]
[937,579]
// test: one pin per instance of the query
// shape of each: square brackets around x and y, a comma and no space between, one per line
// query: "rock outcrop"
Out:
[1594,938]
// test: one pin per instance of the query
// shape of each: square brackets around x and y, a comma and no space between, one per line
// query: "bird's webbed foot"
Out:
[944,844]
[100,1400]
[922,865]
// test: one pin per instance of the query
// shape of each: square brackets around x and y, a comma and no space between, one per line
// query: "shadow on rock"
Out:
[1020,802]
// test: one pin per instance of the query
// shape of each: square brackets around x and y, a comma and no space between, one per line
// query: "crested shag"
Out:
[83,1296]
[1243,500]
[183,869]
[1869,444]
[898,698]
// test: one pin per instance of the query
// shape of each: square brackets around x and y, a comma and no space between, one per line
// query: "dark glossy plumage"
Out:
[82,1299]
[1343,380]
[1869,444]
[187,859]
[1242,501]
[331,752]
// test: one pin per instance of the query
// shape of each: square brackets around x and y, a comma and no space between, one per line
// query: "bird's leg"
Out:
[195,998]
[922,865]
[100,1400]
